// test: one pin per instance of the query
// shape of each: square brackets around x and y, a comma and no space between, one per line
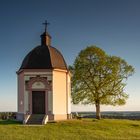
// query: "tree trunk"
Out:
[98,114]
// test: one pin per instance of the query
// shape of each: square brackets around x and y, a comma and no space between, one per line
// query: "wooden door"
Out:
[38,102]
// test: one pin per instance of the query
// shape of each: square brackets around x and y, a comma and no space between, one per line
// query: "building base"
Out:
[51,117]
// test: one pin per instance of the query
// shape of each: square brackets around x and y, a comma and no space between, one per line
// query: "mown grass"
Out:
[85,129]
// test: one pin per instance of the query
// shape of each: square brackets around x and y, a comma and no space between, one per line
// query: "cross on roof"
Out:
[46,24]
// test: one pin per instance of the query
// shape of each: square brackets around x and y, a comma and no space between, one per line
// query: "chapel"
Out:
[43,84]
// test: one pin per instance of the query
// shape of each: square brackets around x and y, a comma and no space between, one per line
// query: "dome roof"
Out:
[44,57]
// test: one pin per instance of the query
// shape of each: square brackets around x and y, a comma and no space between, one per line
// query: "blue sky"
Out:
[113,25]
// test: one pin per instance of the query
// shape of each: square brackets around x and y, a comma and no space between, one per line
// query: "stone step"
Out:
[36,119]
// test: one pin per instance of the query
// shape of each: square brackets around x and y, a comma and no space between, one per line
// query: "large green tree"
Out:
[98,78]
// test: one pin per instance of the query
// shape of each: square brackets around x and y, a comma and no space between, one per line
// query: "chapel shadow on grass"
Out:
[9,122]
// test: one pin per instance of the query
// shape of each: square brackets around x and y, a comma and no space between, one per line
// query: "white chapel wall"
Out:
[69,93]
[59,93]
[21,93]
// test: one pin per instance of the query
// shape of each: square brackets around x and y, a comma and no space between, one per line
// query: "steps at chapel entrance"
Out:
[36,119]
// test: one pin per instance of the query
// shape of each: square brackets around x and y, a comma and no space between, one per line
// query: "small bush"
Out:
[7,115]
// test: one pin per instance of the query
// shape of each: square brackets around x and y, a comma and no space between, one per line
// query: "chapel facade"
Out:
[44,85]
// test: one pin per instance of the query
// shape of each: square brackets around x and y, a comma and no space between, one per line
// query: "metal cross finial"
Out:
[46,24]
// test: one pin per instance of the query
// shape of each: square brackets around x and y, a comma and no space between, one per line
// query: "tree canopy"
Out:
[98,78]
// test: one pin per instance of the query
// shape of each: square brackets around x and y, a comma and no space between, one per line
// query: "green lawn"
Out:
[86,129]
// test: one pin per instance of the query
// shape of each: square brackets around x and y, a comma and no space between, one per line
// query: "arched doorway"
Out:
[38,88]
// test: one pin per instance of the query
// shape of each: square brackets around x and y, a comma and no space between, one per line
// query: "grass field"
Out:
[86,129]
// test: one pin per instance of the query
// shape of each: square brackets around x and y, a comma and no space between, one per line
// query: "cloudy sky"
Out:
[113,25]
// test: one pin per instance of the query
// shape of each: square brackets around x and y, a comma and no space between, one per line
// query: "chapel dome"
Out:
[44,56]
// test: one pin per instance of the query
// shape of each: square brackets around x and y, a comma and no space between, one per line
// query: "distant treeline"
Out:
[132,115]
[7,115]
